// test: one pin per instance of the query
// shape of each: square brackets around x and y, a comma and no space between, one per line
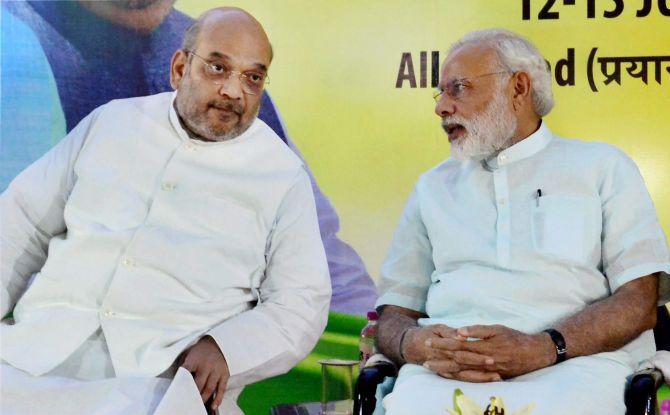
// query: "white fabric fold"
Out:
[182,397]
[662,362]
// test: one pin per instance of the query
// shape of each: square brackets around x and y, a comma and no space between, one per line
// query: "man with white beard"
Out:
[526,266]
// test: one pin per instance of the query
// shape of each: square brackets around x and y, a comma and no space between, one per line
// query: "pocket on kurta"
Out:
[565,226]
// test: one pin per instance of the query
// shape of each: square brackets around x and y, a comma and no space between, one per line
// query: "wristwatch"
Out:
[559,341]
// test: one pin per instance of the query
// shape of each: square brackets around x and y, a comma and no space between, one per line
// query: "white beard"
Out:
[487,133]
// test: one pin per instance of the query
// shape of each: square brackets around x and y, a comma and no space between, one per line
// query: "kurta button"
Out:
[167,186]
[127,262]
[109,313]
[190,146]
[503,157]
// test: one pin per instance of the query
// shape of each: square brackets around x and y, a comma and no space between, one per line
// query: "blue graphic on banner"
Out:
[31,118]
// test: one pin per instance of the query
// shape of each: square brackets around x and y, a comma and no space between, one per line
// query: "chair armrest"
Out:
[366,386]
[640,394]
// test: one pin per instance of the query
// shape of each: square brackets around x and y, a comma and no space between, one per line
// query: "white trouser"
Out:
[85,384]
[579,386]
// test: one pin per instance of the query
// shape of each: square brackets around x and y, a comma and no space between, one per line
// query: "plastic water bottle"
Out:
[366,345]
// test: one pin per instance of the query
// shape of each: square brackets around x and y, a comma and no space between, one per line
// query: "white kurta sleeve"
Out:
[633,243]
[31,212]
[406,271]
[294,296]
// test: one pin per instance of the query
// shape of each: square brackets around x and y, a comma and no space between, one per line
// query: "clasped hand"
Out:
[477,353]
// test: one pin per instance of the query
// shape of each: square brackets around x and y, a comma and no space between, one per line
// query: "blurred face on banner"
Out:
[475,103]
[140,15]
[220,82]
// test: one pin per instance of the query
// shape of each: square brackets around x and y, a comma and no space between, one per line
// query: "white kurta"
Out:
[478,244]
[158,239]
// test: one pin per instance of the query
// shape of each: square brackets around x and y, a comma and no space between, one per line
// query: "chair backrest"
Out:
[662,329]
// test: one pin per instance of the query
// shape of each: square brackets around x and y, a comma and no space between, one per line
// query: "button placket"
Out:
[127,262]
[504,217]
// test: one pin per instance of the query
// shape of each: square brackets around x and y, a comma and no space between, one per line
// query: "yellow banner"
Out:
[353,81]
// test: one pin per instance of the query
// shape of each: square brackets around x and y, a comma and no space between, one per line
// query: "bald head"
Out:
[232,19]
[220,73]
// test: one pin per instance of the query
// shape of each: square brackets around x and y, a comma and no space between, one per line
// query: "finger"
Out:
[210,387]
[444,368]
[201,380]
[479,331]
[450,343]
[487,347]
[220,390]
[443,331]
[438,354]
[478,376]
[473,359]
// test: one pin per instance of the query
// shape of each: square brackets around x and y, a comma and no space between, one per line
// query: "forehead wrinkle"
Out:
[220,51]
[216,54]
[219,55]
[473,58]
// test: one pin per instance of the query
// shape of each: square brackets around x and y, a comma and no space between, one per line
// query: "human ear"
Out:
[521,89]
[178,68]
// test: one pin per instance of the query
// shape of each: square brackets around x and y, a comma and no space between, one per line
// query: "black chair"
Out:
[639,396]
[641,390]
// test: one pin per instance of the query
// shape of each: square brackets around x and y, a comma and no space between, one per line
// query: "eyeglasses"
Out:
[252,82]
[457,86]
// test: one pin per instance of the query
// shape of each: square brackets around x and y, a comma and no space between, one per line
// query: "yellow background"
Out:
[334,74]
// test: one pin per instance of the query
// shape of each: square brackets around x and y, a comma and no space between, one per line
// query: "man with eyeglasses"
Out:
[526,266]
[174,230]
[104,50]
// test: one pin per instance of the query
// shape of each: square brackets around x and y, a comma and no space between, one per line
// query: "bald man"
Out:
[160,236]
[104,50]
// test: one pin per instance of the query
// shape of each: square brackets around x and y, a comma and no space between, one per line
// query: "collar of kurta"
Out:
[525,148]
[183,134]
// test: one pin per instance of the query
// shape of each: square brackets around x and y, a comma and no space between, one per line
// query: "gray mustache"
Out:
[452,120]
[227,106]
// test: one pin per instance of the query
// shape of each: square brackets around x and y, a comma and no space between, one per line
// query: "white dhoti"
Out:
[579,386]
[85,384]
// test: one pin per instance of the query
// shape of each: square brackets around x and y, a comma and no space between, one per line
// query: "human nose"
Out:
[445,105]
[231,86]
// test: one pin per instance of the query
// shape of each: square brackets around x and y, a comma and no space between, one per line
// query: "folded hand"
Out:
[437,348]
[496,349]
